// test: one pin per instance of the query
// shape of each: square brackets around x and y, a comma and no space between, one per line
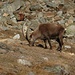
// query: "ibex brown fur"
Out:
[46,32]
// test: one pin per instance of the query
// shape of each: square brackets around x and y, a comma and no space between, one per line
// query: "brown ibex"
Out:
[46,32]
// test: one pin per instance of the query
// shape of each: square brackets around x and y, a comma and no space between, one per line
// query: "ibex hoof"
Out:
[59,49]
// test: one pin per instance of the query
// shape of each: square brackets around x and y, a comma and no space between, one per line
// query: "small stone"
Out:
[71,54]
[31,73]
[51,4]
[35,7]
[61,21]
[49,14]
[5,14]
[59,13]
[67,46]
[16,37]
[45,58]
[24,62]
[2,51]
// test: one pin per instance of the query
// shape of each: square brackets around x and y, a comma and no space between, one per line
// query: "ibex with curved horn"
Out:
[46,32]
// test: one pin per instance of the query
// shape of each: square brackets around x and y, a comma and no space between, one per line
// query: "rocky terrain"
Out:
[16,56]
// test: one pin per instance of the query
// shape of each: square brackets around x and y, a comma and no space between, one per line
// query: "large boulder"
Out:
[70,30]
[10,8]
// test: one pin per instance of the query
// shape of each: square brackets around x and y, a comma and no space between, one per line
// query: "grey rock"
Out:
[12,7]
[13,18]
[59,13]
[70,30]
[2,19]
[2,73]
[51,4]
[5,46]
[40,14]
[35,7]
[57,69]
[61,21]
[74,19]
[46,1]
[24,62]
[27,22]
[45,8]
[4,28]
[31,73]
[45,58]
[16,37]
[34,23]
[67,46]
[62,1]
[9,20]
[2,51]
[42,20]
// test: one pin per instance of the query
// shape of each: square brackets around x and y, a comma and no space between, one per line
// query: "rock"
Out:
[67,46]
[31,73]
[2,51]
[61,21]
[31,15]
[27,22]
[70,36]
[4,28]
[35,7]
[8,20]
[72,54]
[5,46]
[57,70]
[43,5]
[45,58]
[10,8]
[70,11]
[3,19]
[59,13]
[45,1]
[2,73]
[49,14]
[74,19]
[69,20]
[5,14]
[70,30]
[16,37]
[1,4]
[51,4]
[42,20]
[11,21]
[34,23]
[24,62]
[60,7]
[14,20]
[10,1]
[40,14]
[57,18]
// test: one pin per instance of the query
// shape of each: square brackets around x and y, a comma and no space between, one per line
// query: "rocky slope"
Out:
[16,57]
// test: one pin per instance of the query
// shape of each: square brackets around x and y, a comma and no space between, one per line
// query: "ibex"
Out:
[46,32]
